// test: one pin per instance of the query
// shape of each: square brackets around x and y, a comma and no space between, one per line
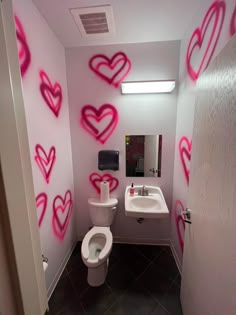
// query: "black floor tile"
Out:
[166,262]
[135,301]
[73,308]
[150,251]
[119,278]
[159,310]
[141,279]
[156,281]
[96,300]
[78,278]
[171,300]
[75,261]
[129,256]
[64,274]
[63,295]
[178,280]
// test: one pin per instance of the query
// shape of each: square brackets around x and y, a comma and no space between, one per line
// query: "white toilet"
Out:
[97,243]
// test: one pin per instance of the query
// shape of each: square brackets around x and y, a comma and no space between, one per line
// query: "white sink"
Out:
[151,206]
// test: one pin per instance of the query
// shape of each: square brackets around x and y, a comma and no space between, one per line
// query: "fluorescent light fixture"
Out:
[147,87]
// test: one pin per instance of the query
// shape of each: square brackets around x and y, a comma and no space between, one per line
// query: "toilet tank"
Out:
[102,213]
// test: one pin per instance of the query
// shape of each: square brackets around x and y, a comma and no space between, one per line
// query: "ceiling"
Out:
[136,21]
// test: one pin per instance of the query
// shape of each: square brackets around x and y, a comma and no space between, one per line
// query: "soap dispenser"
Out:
[131,190]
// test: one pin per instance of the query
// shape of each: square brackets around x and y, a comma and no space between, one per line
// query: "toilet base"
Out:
[97,276]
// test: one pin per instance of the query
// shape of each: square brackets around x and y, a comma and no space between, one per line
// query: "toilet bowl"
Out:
[97,243]
[95,250]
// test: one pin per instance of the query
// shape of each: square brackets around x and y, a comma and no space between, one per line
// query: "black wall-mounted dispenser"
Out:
[108,160]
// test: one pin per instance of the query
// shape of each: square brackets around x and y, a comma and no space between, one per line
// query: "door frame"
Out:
[20,209]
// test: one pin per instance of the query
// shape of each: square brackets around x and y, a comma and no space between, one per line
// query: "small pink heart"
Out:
[41,205]
[185,148]
[233,23]
[62,210]
[99,123]
[113,70]
[215,14]
[95,179]
[23,48]
[52,94]
[45,161]
[179,222]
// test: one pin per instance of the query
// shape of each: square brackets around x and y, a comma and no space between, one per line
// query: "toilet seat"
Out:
[97,231]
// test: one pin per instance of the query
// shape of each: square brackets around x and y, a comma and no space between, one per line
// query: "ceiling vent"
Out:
[94,20]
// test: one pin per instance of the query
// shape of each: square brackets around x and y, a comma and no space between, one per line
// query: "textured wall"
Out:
[209,279]
[210,29]
[42,61]
[138,114]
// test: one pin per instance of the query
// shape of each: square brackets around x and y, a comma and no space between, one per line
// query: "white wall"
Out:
[187,89]
[46,129]
[138,114]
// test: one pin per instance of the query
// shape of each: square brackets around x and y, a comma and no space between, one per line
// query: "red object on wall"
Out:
[215,14]
[45,161]
[99,123]
[41,205]
[185,148]
[113,70]
[62,210]
[179,222]
[233,23]
[52,94]
[24,54]
[95,179]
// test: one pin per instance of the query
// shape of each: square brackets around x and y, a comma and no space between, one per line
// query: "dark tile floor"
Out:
[141,280]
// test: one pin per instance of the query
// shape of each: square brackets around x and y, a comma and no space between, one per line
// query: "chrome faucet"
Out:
[143,191]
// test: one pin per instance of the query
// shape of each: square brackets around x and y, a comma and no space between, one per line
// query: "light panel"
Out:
[145,87]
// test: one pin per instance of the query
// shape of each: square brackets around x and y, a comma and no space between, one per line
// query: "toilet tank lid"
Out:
[98,203]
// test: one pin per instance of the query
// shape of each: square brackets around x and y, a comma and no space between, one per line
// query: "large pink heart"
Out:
[96,179]
[179,222]
[185,148]
[216,12]
[23,48]
[62,210]
[100,123]
[41,205]
[45,161]
[113,70]
[233,23]
[52,94]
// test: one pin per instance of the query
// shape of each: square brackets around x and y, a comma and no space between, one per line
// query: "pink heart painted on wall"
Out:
[99,123]
[185,148]
[95,179]
[233,23]
[24,54]
[52,94]
[62,210]
[41,205]
[216,14]
[45,161]
[180,224]
[113,70]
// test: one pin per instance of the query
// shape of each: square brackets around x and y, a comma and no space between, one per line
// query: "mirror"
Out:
[143,155]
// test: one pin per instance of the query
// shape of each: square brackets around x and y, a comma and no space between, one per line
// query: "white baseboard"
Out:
[178,263]
[60,271]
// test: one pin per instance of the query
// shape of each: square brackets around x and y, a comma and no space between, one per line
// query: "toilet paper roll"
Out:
[45,266]
[104,191]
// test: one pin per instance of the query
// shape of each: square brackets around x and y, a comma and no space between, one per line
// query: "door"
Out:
[150,154]
[209,262]
[18,210]
[9,304]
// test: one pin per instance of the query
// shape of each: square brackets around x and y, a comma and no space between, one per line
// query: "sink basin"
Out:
[152,206]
